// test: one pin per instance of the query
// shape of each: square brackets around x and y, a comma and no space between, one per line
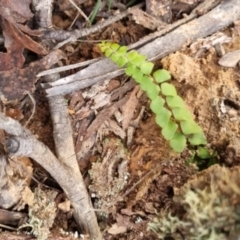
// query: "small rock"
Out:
[230,59]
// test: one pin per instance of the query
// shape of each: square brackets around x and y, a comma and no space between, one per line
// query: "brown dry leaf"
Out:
[15,42]
[18,12]
[15,83]
[14,56]
[15,10]
[26,29]
[22,38]
[13,15]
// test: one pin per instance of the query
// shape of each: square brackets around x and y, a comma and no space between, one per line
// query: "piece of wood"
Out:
[23,143]
[65,169]
[222,16]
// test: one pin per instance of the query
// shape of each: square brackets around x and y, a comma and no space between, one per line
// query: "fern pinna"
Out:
[176,121]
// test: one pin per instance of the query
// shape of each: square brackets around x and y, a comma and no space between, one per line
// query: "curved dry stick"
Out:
[23,143]
[65,169]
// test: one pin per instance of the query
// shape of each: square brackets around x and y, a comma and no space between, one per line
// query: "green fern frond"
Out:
[176,121]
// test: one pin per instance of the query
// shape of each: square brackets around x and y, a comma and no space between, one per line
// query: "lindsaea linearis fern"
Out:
[176,121]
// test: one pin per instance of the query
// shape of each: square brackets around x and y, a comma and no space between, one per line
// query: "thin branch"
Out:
[65,169]
[23,143]
[85,32]
[199,10]
[66,68]
[79,10]
[33,109]
[224,14]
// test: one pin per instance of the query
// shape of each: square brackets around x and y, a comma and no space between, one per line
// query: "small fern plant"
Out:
[176,121]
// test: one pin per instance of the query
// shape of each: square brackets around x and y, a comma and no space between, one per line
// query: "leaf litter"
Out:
[100,130]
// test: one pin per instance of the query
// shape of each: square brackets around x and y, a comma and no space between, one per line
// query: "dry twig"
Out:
[67,163]
[73,36]
[221,16]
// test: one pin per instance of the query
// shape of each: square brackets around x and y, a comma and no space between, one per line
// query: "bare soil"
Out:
[129,181]
[154,172]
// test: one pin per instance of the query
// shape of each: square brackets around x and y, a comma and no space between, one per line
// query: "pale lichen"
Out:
[211,204]
[109,175]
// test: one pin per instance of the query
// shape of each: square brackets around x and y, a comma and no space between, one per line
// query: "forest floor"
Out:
[129,169]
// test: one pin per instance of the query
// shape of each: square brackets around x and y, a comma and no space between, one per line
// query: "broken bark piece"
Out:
[129,107]
[184,6]
[203,44]
[115,128]
[230,59]
[220,50]
[160,9]
[146,20]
